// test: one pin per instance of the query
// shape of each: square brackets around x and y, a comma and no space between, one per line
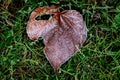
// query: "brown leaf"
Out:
[63,35]
[35,28]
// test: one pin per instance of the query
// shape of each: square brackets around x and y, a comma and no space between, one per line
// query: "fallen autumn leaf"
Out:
[63,34]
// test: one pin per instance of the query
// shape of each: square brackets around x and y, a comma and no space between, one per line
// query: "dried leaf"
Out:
[63,34]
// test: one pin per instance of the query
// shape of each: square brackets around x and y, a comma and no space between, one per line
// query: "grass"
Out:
[23,59]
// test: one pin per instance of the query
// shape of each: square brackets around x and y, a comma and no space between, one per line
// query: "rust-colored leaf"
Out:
[63,34]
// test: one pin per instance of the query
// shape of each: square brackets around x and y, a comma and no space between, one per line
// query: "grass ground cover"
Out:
[98,59]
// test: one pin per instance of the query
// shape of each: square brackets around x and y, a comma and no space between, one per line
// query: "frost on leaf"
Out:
[63,33]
